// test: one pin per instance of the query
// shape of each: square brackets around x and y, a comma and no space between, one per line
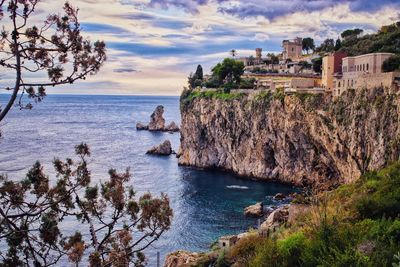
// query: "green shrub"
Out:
[292,248]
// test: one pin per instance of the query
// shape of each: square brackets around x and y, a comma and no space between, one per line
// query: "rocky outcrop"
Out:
[275,219]
[189,259]
[299,139]
[163,149]
[172,127]
[256,210]
[157,122]
[141,127]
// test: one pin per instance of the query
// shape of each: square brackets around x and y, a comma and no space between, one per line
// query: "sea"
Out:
[207,204]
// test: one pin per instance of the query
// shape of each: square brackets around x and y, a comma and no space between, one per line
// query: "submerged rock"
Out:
[163,149]
[157,121]
[255,210]
[172,127]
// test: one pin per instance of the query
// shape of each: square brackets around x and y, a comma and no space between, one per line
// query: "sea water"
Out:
[206,204]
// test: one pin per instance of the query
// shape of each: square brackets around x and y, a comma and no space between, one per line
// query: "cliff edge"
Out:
[301,139]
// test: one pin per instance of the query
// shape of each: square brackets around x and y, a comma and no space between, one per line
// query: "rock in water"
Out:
[163,150]
[140,126]
[157,121]
[279,196]
[172,127]
[255,210]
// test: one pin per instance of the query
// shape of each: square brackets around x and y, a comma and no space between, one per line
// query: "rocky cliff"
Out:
[300,139]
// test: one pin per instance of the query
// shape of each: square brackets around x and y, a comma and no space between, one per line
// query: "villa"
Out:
[364,71]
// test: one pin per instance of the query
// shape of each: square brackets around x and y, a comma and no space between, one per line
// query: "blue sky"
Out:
[153,45]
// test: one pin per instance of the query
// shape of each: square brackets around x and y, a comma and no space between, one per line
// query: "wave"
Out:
[237,187]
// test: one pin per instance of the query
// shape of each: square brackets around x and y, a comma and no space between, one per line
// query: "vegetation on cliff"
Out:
[355,225]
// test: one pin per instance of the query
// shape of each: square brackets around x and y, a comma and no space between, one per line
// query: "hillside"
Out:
[387,39]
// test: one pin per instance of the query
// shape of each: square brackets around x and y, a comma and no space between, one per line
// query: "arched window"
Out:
[339,84]
[363,67]
[367,67]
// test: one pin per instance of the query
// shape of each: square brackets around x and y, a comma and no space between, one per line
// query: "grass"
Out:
[355,225]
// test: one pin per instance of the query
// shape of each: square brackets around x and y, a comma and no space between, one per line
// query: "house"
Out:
[364,71]
[331,64]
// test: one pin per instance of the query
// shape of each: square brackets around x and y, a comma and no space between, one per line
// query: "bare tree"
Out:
[114,226]
[54,50]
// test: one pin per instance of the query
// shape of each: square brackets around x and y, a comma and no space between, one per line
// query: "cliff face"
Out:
[299,139]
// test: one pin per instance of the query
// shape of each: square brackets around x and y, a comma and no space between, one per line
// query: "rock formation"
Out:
[157,122]
[256,210]
[275,219]
[172,127]
[140,126]
[188,259]
[300,139]
[163,149]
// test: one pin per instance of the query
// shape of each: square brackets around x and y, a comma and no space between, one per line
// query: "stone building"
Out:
[292,49]
[364,71]
[331,64]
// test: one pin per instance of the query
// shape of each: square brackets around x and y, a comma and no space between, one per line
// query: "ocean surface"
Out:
[206,204]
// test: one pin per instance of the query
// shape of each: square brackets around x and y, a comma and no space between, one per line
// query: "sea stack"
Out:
[163,149]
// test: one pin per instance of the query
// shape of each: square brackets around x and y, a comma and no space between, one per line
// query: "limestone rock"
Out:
[311,140]
[255,210]
[140,127]
[163,149]
[279,196]
[181,259]
[275,219]
[172,127]
[157,121]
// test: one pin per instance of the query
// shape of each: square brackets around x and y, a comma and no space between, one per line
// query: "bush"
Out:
[391,64]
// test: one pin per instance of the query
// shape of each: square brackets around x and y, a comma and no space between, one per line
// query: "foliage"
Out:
[229,71]
[351,33]
[391,64]
[221,260]
[196,79]
[386,40]
[34,212]
[338,45]
[212,94]
[317,65]
[258,70]
[308,44]
[247,83]
[273,58]
[328,45]
[55,49]
[355,225]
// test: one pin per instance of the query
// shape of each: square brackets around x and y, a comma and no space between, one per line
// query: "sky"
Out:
[153,45]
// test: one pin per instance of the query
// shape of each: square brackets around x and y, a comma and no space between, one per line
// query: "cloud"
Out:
[124,70]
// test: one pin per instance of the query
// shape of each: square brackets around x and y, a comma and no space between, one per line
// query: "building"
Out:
[331,64]
[226,242]
[292,49]
[364,71]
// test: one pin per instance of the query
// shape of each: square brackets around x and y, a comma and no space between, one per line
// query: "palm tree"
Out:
[233,53]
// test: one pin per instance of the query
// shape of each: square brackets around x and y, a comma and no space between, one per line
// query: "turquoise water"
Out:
[207,204]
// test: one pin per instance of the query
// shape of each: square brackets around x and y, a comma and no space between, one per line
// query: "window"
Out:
[339,84]
[363,67]
[367,66]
